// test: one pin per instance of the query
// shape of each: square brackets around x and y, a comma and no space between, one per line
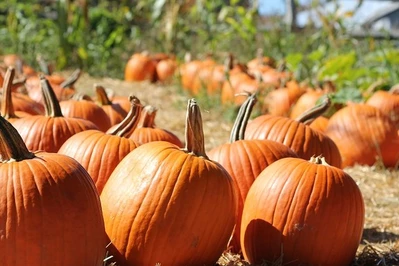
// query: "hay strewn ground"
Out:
[380,187]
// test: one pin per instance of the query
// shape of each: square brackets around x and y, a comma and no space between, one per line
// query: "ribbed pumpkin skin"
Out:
[147,134]
[86,110]
[362,132]
[98,153]
[312,213]
[43,133]
[181,207]
[50,214]
[244,160]
[387,102]
[302,139]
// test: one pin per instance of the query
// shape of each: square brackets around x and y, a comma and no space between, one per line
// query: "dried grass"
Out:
[380,187]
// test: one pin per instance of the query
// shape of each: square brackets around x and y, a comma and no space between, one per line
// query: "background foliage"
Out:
[99,36]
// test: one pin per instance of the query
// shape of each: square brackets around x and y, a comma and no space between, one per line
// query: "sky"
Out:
[268,7]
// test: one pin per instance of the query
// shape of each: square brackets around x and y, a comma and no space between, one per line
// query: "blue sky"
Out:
[268,7]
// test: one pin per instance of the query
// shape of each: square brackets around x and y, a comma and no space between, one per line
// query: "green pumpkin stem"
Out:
[7,107]
[148,117]
[244,113]
[310,115]
[51,103]
[194,134]
[102,97]
[12,147]
[71,79]
[129,123]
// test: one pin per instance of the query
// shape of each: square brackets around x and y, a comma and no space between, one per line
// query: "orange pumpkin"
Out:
[168,205]
[114,111]
[244,160]
[86,146]
[387,102]
[301,138]
[140,67]
[297,211]
[48,132]
[362,133]
[49,208]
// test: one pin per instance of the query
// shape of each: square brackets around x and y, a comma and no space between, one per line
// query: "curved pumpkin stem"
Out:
[51,104]
[44,66]
[71,79]
[194,134]
[7,107]
[244,113]
[79,96]
[12,147]
[129,123]
[394,89]
[310,115]
[148,117]
[102,97]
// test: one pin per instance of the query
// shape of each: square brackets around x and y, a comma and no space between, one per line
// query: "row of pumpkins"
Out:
[263,193]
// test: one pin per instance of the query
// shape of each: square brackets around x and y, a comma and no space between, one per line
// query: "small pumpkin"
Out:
[297,211]
[140,67]
[146,130]
[86,146]
[48,132]
[167,205]
[114,111]
[296,134]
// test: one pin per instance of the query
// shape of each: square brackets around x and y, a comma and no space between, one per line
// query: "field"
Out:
[380,186]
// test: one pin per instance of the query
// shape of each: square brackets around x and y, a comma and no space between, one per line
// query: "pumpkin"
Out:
[147,131]
[48,132]
[296,134]
[298,211]
[244,160]
[362,133]
[165,69]
[86,109]
[387,102]
[280,101]
[114,111]
[140,67]
[7,107]
[320,123]
[305,102]
[168,205]
[50,211]
[63,89]
[86,146]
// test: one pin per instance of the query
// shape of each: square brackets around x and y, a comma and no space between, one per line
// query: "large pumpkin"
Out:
[387,102]
[302,213]
[244,160]
[100,153]
[168,205]
[50,211]
[297,135]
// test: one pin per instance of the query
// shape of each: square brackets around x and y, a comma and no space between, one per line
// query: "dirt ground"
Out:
[380,187]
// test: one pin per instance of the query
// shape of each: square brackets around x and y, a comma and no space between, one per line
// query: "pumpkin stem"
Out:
[102,97]
[71,79]
[51,104]
[12,147]
[129,123]
[79,96]
[310,115]
[318,160]
[7,107]
[194,133]
[44,66]
[240,124]
[148,117]
[394,89]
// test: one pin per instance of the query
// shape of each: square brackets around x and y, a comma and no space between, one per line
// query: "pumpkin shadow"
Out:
[373,235]
[257,250]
